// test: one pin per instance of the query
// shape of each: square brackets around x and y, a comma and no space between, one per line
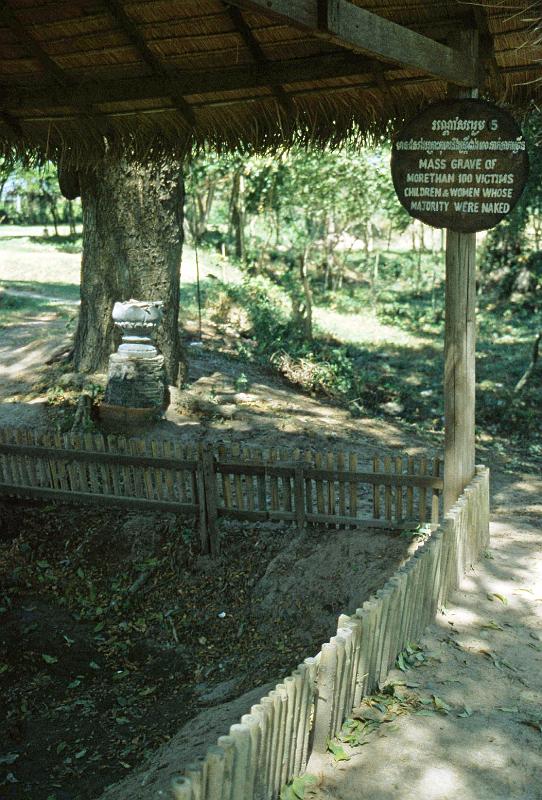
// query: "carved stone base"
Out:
[137,382]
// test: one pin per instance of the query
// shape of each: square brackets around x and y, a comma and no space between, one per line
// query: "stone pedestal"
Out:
[136,388]
[136,381]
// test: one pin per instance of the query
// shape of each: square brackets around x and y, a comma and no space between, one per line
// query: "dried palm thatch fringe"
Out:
[60,73]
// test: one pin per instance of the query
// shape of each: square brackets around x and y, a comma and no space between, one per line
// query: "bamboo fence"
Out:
[293,486]
[273,742]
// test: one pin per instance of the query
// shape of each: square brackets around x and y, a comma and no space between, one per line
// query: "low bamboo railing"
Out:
[273,743]
[293,486]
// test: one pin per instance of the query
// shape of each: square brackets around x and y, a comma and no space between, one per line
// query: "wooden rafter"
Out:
[315,68]
[345,25]
[49,66]
[486,43]
[151,59]
[257,53]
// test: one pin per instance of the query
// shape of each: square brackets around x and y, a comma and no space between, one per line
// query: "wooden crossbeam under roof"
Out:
[346,25]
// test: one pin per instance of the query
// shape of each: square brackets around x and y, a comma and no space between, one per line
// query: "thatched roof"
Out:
[78,77]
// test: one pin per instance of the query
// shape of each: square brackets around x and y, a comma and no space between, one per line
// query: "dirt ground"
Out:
[481,739]
[91,689]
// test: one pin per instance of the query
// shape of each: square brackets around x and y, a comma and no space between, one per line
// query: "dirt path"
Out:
[484,660]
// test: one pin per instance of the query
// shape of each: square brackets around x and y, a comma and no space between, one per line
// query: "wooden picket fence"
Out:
[209,482]
[288,731]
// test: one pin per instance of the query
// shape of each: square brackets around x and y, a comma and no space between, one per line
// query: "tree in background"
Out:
[508,264]
[33,197]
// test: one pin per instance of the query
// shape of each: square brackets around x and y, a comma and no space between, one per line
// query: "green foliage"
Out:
[411,656]
[300,788]
[508,267]
[31,196]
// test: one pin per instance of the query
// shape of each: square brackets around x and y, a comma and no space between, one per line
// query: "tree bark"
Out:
[132,245]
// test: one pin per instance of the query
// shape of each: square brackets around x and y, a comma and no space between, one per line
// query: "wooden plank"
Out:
[211,506]
[346,25]
[85,497]
[157,450]
[422,505]
[435,499]
[226,479]
[189,453]
[42,466]
[202,503]
[104,469]
[331,484]
[47,439]
[114,468]
[260,480]
[249,485]
[6,473]
[78,478]
[410,490]
[137,471]
[273,481]
[286,483]
[399,490]
[128,485]
[63,477]
[342,484]
[319,485]
[308,457]
[376,489]
[93,477]
[387,490]
[172,478]
[116,455]
[236,452]
[377,478]
[299,489]
[353,499]
[24,463]
[143,448]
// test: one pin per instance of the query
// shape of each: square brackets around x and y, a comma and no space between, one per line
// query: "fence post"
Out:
[202,512]
[299,497]
[208,475]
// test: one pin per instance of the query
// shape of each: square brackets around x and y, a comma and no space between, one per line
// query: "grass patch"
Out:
[15,309]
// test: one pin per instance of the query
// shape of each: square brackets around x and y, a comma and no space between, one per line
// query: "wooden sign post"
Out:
[461,165]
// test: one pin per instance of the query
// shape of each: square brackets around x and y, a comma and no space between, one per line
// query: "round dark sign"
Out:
[460,164]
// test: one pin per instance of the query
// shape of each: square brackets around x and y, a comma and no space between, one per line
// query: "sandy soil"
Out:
[484,660]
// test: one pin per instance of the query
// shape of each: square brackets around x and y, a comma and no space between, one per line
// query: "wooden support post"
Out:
[459,364]
[459,339]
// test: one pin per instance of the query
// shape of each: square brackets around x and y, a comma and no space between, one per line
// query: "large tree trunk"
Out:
[132,245]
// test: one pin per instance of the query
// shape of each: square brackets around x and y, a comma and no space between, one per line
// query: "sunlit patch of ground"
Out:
[365,327]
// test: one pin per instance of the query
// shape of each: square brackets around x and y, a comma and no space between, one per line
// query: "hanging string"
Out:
[198,291]
[198,287]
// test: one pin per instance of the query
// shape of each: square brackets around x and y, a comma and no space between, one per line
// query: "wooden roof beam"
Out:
[49,66]
[152,60]
[315,68]
[345,25]
[62,81]
[257,53]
